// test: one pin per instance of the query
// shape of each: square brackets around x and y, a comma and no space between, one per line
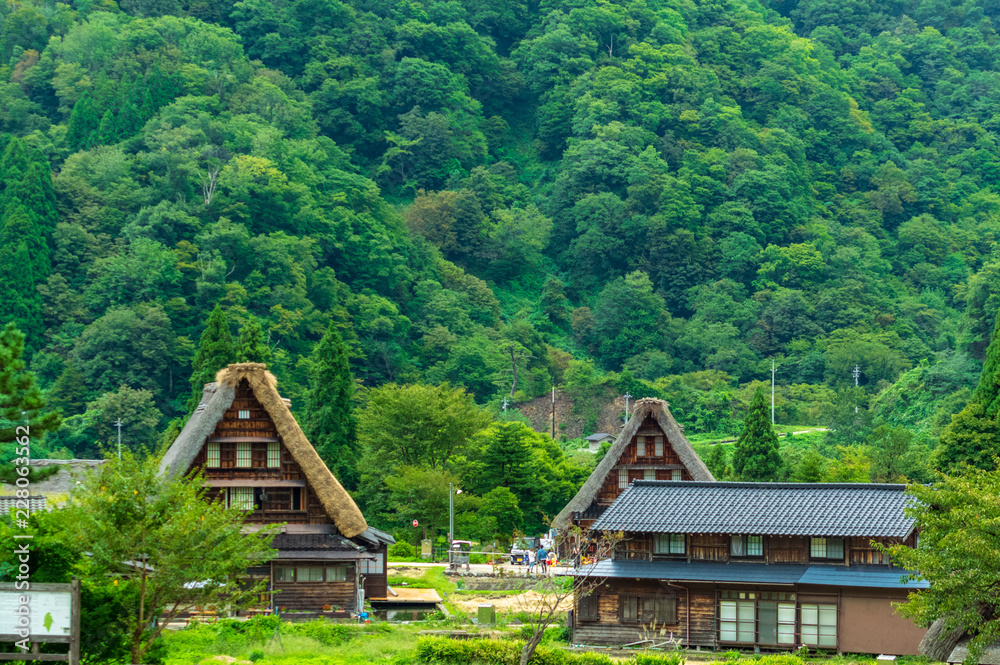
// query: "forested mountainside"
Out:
[652,196]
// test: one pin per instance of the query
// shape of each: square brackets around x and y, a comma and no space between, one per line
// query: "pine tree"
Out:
[329,419]
[107,131]
[20,399]
[507,459]
[69,393]
[717,461]
[252,348]
[972,435]
[20,301]
[83,123]
[756,455]
[215,351]
[130,121]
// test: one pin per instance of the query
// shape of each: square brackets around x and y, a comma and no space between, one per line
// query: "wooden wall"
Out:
[259,430]
[312,596]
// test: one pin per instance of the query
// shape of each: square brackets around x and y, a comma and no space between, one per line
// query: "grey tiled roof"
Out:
[788,509]
[873,577]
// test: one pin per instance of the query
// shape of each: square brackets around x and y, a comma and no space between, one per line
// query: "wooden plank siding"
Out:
[312,596]
[636,466]
[608,629]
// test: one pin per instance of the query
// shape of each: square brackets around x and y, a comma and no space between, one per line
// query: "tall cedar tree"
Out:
[215,351]
[252,348]
[507,459]
[756,455]
[329,419]
[971,437]
[83,123]
[20,399]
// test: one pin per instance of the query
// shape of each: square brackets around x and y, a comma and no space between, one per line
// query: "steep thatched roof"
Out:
[660,410]
[218,397]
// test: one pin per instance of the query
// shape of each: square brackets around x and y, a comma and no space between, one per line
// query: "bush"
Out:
[504,652]
[659,659]
[403,550]
[255,655]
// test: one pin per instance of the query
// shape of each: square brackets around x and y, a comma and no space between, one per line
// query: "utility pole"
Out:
[505,406]
[772,391]
[118,424]
[553,413]
[627,397]
[857,373]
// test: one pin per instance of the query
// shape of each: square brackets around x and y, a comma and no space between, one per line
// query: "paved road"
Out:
[482,568]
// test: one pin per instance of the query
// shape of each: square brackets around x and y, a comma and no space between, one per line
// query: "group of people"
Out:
[542,558]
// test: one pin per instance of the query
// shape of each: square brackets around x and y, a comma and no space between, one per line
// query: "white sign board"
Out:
[49,612]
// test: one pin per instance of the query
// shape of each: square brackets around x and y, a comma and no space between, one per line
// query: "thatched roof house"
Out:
[254,455]
[652,446]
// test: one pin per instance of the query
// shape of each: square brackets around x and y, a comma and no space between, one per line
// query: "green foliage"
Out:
[22,408]
[403,550]
[252,347]
[955,554]
[215,351]
[756,454]
[329,419]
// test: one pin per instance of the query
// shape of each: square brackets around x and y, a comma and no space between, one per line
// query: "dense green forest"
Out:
[652,196]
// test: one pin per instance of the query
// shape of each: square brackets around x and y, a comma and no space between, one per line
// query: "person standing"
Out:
[531,561]
[542,555]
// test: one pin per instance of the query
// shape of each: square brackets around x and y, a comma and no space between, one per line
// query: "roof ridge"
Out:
[766,485]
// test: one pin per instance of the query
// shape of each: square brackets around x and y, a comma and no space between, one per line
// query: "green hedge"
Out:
[444,651]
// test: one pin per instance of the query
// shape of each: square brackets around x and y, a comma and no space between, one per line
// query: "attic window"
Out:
[244,414]
[273,454]
[241,498]
[213,455]
[668,543]
[676,474]
[622,479]
[640,447]
[659,446]
[649,474]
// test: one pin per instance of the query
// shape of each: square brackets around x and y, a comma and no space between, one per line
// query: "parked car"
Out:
[519,551]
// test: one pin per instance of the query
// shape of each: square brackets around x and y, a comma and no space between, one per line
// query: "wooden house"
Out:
[651,446]
[254,456]
[765,566]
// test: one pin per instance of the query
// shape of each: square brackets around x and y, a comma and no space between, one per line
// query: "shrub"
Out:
[660,659]
[403,550]
[255,655]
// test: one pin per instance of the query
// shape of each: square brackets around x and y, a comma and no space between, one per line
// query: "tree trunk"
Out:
[513,364]
[529,648]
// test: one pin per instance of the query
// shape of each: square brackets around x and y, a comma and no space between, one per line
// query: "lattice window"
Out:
[336,573]
[676,474]
[622,479]
[241,497]
[649,474]
[243,454]
[214,461]
[668,543]
[309,574]
[819,625]
[640,447]
[273,454]
[659,446]
[586,608]
[244,414]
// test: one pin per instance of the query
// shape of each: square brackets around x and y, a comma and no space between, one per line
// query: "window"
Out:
[658,609]
[309,574]
[826,548]
[659,446]
[273,454]
[819,625]
[213,455]
[336,573]
[241,497]
[622,479]
[640,447]
[244,415]
[736,620]
[371,566]
[284,574]
[675,474]
[746,545]
[649,474]
[296,498]
[586,608]
[628,608]
[775,622]
[668,543]
[243,453]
